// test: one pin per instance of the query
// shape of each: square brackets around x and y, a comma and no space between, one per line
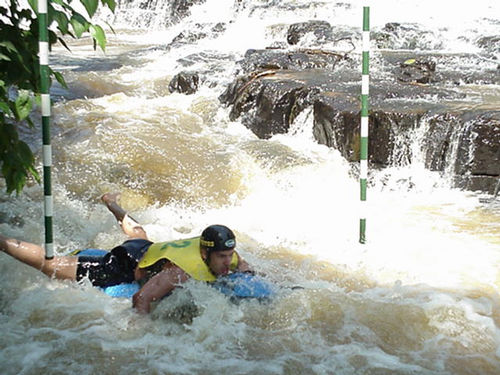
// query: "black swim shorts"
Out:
[116,267]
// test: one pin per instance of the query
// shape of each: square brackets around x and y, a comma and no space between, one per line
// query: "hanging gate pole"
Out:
[47,148]
[363,170]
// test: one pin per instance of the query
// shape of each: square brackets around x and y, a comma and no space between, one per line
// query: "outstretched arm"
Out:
[157,287]
[59,267]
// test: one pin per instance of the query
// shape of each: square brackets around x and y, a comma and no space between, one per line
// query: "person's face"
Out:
[219,262]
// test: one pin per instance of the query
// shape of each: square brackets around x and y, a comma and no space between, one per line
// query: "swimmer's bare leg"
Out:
[129,226]
[60,267]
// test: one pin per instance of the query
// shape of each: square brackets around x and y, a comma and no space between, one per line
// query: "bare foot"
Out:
[109,198]
[111,201]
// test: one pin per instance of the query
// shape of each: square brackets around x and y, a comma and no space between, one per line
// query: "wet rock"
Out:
[491,44]
[276,102]
[477,140]
[264,59]
[405,36]
[448,69]
[463,145]
[186,37]
[417,71]
[184,83]
[438,143]
[321,30]
[337,123]
[477,166]
[209,58]
[181,8]
[199,31]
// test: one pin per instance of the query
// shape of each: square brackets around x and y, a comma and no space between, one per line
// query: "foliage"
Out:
[20,73]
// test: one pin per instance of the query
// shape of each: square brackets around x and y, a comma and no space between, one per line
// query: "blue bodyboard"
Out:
[244,285]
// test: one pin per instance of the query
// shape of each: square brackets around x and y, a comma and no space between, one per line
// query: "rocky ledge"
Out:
[409,98]
[444,102]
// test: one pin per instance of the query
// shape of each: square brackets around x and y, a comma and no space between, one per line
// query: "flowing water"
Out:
[421,297]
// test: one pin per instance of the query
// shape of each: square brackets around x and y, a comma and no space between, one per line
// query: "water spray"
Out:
[47,148]
[363,159]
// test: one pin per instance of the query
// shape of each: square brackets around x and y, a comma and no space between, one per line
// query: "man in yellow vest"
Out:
[159,267]
[202,258]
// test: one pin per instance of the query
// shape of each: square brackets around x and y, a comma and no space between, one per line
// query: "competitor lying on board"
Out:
[159,267]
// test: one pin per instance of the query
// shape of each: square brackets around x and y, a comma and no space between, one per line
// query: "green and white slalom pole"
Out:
[365,83]
[47,148]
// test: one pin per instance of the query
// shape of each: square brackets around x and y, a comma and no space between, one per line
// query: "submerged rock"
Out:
[184,83]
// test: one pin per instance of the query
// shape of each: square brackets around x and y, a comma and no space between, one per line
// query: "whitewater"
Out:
[420,297]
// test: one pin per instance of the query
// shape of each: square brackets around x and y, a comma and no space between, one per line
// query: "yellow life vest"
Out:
[186,255]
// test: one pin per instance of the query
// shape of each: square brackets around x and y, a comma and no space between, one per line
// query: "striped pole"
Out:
[47,148]
[365,81]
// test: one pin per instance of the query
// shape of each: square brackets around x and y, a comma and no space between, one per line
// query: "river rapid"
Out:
[420,297]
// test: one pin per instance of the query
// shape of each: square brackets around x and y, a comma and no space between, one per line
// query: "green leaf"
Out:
[110,27]
[90,6]
[30,123]
[61,40]
[34,5]
[4,107]
[8,45]
[99,36]
[10,53]
[19,180]
[61,3]
[110,3]
[4,57]
[9,132]
[23,105]
[25,154]
[62,21]
[59,78]
[31,169]
[79,24]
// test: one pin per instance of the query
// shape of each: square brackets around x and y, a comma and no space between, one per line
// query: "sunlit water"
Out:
[421,297]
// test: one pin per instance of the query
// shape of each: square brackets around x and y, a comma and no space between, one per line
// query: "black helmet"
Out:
[218,238]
